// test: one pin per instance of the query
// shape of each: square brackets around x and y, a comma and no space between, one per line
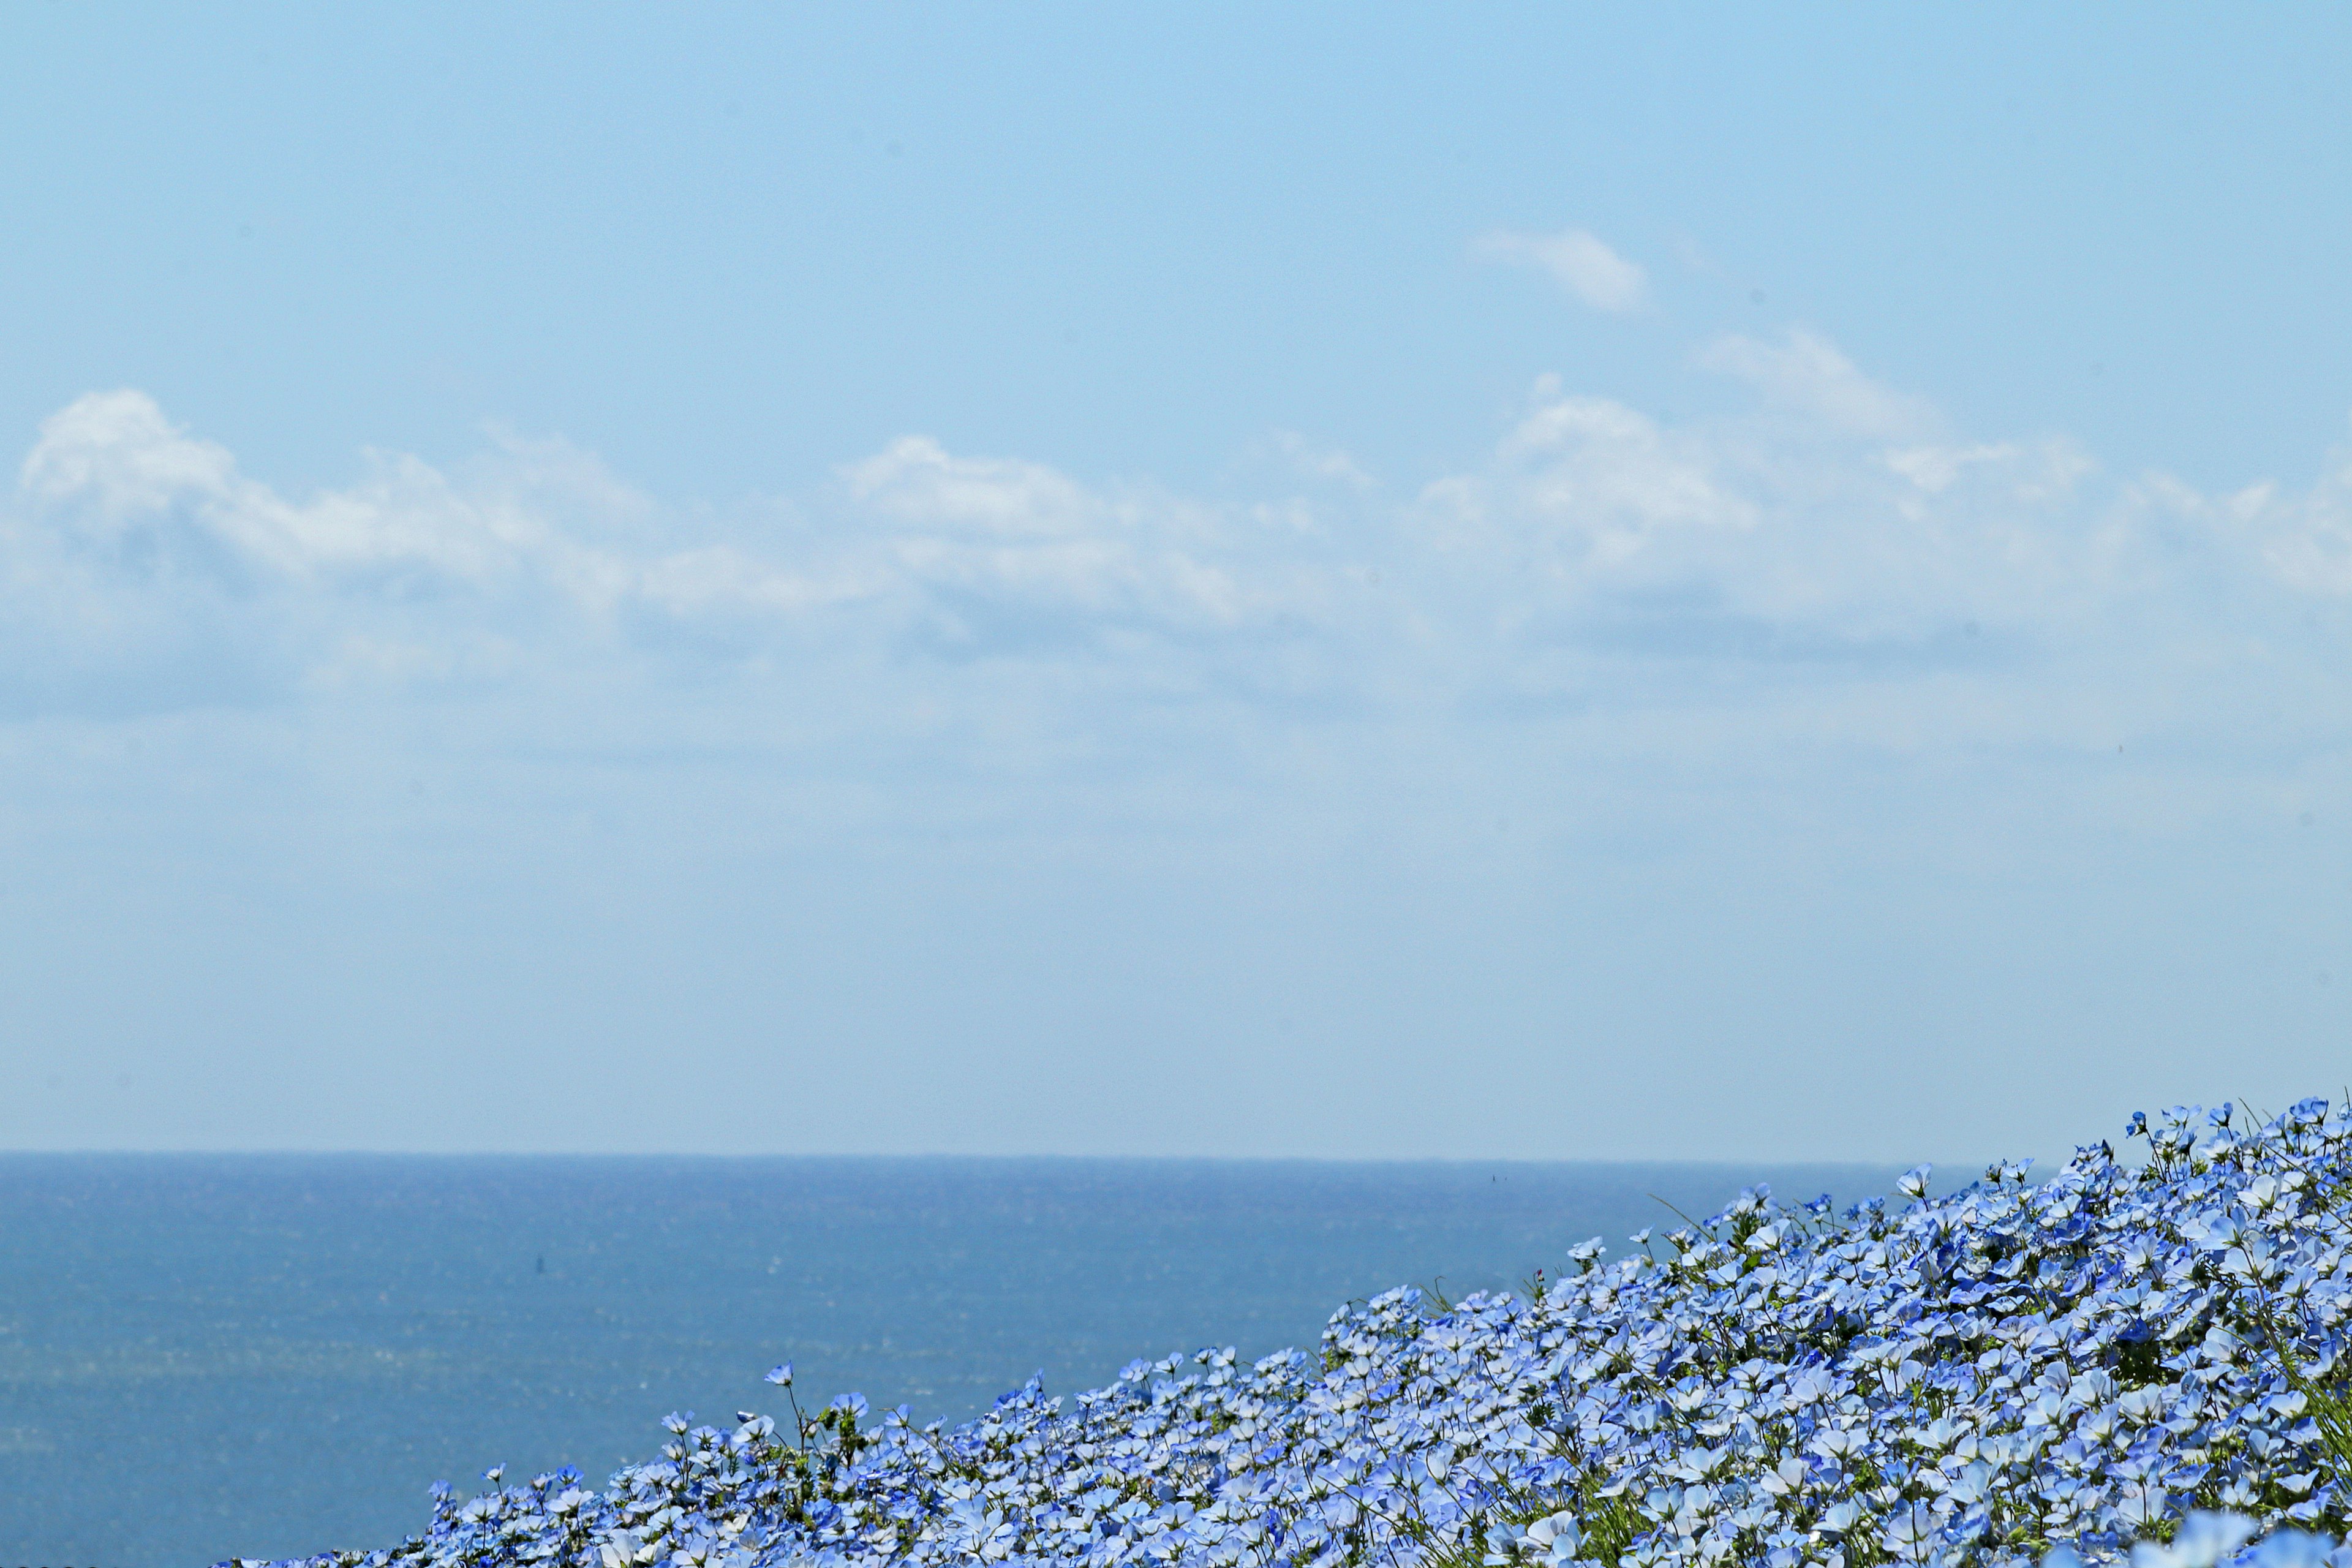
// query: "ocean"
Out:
[211,1356]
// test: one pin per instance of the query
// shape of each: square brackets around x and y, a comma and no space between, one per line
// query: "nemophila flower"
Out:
[2116,1365]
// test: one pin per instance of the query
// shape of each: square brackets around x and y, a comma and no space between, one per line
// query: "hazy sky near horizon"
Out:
[1700,582]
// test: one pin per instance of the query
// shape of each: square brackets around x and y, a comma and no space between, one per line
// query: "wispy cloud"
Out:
[1578,261]
[1806,375]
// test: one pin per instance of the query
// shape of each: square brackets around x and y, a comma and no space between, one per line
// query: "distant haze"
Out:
[1020,581]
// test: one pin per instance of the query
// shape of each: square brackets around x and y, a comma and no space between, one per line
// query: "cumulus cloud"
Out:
[124,478]
[1578,261]
[1835,520]
[1775,518]
[128,516]
[1026,533]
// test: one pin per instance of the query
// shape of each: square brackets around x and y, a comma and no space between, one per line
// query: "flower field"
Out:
[2124,1362]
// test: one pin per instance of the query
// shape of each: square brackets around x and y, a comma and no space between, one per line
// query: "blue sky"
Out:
[1520,583]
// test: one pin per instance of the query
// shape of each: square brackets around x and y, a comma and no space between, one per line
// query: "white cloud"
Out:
[1578,261]
[120,505]
[720,577]
[2306,539]
[1805,374]
[914,482]
[1836,523]
[1328,464]
[1026,535]
[1835,520]
[125,477]
[1584,484]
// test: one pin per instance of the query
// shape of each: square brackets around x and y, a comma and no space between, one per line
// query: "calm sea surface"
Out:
[208,1356]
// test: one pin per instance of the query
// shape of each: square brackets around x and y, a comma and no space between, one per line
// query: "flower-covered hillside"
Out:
[2118,1355]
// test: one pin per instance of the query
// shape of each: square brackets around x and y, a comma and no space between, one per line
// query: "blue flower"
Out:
[2117,1365]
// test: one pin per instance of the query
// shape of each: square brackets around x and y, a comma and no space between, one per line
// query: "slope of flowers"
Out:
[2116,1364]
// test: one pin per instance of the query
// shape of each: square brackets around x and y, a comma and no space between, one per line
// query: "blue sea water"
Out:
[261,1356]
